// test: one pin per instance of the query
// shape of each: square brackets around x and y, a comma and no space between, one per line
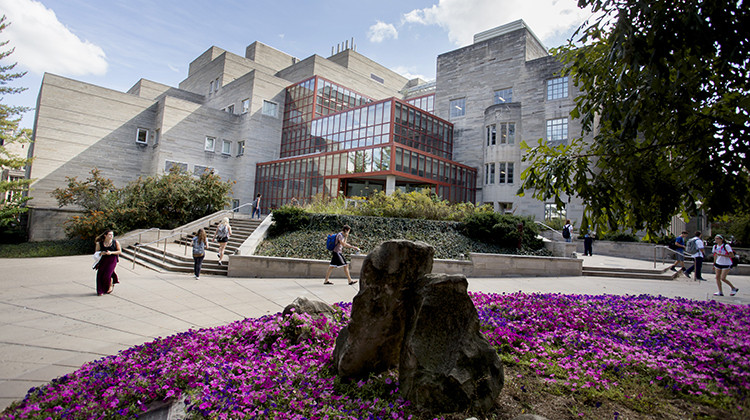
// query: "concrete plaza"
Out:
[52,322]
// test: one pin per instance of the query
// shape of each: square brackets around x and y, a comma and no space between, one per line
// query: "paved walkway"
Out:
[52,322]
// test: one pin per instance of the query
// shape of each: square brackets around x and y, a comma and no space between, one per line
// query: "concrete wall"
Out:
[269,56]
[480,265]
[47,224]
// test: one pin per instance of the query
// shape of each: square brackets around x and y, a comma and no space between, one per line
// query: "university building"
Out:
[298,128]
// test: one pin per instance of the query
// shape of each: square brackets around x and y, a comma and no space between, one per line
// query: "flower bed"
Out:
[635,350]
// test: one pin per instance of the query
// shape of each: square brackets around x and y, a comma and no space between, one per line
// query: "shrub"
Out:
[736,226]
[502,230]
[288,219]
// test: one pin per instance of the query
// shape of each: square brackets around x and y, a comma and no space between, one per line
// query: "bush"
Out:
[502,230]
[288,219]
[47,249]
[736,226]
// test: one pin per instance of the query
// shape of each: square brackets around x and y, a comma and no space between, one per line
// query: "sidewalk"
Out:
[52,322]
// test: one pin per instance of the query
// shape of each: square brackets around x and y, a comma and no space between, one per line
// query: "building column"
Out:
[390,184]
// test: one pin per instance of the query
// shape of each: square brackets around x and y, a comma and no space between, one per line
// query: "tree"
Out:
[664,90]
[12,191]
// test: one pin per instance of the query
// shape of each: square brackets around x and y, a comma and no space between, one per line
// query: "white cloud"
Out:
[381,31]
[43,44]
[464,18]
[410,73]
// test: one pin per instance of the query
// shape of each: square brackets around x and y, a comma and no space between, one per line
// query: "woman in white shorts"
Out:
[723,255]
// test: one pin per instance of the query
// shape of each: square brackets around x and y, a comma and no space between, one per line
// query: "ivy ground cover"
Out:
[635,354]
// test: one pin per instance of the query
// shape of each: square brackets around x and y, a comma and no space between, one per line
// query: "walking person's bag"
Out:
[691,247]
[331,242]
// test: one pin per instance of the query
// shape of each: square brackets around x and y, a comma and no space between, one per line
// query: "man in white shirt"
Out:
[697,256]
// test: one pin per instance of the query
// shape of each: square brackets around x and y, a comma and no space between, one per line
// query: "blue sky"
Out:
[115,43]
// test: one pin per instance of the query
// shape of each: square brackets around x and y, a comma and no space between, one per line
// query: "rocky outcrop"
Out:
[426,325]
[303,305]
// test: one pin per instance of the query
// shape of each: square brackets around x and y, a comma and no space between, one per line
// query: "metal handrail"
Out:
[138,245]
[549,227]
[669,250]
[158,234]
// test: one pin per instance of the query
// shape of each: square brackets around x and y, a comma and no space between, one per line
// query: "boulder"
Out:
[390,276]
[303,305]
[446,364]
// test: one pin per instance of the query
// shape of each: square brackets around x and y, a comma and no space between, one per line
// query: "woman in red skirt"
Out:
[105,270]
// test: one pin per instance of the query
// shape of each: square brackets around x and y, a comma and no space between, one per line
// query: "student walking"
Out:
[567,231]
[109,250]
[723,254]
[221,236]
[679,248]
[695,247]
[256,206]
[337,258]
[200,243]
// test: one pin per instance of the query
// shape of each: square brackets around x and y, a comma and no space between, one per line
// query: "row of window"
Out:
[226,146]
[198,170]
[556,89]
[505,133]
[269,108]
[504,173]
[214,86]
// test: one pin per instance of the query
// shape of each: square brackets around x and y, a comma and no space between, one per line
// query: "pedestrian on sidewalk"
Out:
[256,206]
[109,250]
[679,248]
[698,255]
[567,231]
[200,243]
[723,254]
[337,258]
[221,236]
[588,244]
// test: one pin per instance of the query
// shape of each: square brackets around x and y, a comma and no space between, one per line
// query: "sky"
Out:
[115,43]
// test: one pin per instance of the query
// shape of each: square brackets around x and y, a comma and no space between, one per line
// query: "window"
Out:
[226,147]
[235,205]
[270,108]
[216,85]
[458,107]
[141,136]
[505,207]
[157,136]
[504,95]
[198,170]
[557,88]
[557,130]
[491,134]
[169,164]
[507,133]
[505,170]
[245,106]
[210,144]
[211,87]
[551,212]
[240,148]
[230,109]
[489,173]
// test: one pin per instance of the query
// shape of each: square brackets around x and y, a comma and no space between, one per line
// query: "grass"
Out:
[46,249]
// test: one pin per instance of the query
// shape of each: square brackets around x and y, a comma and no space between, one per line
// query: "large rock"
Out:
[446,363]
[390,276]
[303,305]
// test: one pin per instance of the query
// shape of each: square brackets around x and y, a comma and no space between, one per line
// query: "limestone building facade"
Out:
[266,120]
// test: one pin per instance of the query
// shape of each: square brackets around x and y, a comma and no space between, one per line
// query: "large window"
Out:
[141,136]
[489,173]
[557,130]
[270,108]
[458,107]
[491,134]
[557,88]
[507,133]
[226,147]
[245,106]
[210,144]
[505,170]
[504,95]
[240,148]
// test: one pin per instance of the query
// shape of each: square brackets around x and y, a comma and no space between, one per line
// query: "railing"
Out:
[669,250]
[138,245]
[549,228]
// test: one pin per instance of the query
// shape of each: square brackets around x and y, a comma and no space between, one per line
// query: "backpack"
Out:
[222,232]
[691,247]
[566,231]
[331,241]
[735,259]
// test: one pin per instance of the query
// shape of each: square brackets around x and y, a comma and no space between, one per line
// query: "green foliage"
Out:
[367,232]
[413,205]
[164,201]
[502,230]
[11,209]
[288,219]
[664,90]
[47,249]
[735,226]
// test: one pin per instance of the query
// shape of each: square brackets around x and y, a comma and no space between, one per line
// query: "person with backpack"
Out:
[221,236]
[567,231]
[723,254]
[694,247]
[337,258]
[200,243]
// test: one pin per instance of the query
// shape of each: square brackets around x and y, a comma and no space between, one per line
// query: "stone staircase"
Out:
[178,256]
[633,273]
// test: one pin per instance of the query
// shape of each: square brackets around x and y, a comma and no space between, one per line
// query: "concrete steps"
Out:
[632,273]
[178,258]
